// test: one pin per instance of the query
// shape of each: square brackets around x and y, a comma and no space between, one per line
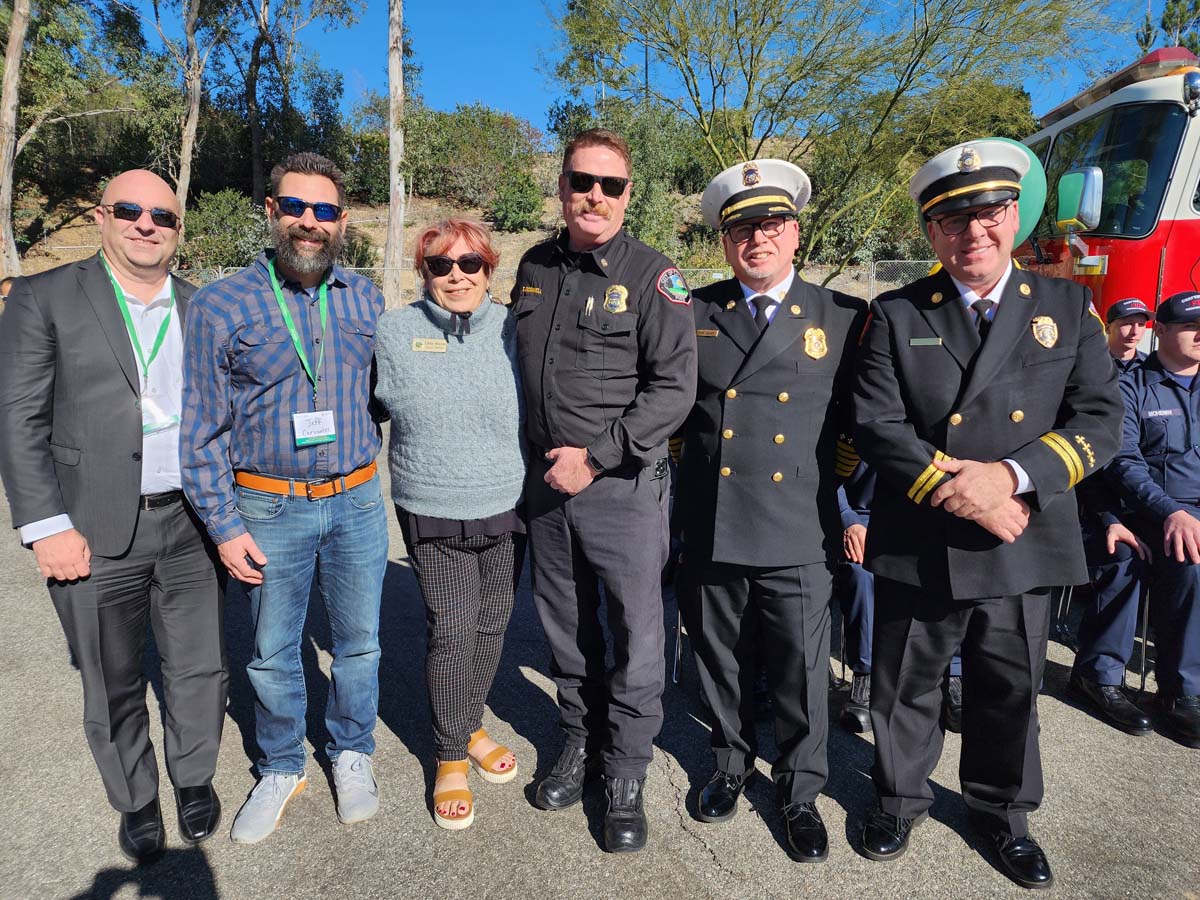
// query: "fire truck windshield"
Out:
[1135,146]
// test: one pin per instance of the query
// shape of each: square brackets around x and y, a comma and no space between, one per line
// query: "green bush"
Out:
[518,203]
[653,216]
[358,252]
[224,230]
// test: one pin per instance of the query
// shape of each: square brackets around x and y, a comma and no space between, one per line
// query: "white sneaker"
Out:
[357,792]
[260,814]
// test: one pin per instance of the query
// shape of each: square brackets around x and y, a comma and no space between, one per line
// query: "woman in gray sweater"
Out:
[448,377]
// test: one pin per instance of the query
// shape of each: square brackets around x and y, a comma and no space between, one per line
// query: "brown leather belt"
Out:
[313,490]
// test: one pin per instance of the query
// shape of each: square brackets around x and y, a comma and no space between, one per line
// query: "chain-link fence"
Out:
[888,274]
[866,281]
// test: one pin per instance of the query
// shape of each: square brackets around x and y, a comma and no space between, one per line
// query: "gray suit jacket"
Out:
[70,429]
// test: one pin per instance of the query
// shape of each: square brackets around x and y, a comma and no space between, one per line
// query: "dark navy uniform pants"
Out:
[1174,616]
[1003,641]
[732,611]
[1109,623]
[854,588]
[613,532]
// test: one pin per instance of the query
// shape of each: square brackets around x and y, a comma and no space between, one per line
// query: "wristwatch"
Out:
[594,463]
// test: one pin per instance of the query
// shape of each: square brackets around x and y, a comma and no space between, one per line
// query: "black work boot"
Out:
[563,787]
[625,823]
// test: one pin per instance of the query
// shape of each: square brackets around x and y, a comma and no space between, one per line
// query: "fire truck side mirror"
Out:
[1079,194]
[1191,90]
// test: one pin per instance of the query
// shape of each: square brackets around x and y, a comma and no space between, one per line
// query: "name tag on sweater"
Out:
[1160,413]
[429,345]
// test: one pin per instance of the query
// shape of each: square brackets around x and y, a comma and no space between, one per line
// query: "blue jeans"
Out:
[343,540]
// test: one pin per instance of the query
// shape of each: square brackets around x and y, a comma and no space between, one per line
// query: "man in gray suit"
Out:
[90,402]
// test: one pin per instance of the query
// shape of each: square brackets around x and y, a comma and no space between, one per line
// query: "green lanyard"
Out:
[133,337]
[323,304]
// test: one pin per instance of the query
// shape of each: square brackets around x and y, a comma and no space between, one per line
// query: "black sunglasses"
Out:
[610,185]
[131,212]
[468,264]
[295,207]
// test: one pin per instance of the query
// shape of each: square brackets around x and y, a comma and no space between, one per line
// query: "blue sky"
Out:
[496,53]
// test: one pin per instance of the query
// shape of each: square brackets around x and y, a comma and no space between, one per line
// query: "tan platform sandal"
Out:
[454,795]
[486,767]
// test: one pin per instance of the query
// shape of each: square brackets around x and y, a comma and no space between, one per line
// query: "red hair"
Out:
[437,239]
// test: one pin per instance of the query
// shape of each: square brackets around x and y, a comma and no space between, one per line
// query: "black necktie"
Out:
[981,307]
[761,304]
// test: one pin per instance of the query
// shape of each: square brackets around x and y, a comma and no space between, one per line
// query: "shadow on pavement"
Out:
[181,874]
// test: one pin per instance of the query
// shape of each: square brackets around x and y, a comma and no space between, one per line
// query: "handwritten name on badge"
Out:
[429,345]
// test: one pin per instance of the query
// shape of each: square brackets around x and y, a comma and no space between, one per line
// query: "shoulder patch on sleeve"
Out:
[1096,315]
[672,286]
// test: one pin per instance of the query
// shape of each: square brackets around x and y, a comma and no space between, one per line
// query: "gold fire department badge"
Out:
[814,343]
[1045,331]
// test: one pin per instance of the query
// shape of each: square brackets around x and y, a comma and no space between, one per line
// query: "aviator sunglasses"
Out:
[440,266]
[131,212]
[610,185]
[295,207]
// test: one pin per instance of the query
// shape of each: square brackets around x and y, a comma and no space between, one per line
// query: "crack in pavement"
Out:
[681,814]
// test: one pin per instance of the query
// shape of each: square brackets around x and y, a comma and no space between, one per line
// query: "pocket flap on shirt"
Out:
[257,335]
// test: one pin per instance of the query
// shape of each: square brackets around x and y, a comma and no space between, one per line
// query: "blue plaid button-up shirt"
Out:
[242,382]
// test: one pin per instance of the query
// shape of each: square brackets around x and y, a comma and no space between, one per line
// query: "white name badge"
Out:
[314,427]
[154,418]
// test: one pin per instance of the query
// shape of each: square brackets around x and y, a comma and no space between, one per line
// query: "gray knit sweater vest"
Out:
[456,446]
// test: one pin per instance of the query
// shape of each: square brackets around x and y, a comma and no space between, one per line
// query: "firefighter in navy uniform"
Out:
[1158,473]
[1116,562]
[984,394]
[608,362]
[757,502]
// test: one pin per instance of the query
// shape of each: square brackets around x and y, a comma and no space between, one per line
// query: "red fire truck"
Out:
[1122,164]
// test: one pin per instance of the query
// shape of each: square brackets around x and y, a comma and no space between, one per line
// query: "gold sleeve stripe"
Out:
[927,479]
[675,448]
[1067,454]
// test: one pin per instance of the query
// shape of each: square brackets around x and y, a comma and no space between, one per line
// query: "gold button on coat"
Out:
[783,397]
[956,419]
[731,393]
[777,477]
[1017,415]
[726,471]
[779,438]
[727,433]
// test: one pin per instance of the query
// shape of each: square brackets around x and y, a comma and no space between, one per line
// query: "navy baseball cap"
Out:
[1130,306]
[1181,307]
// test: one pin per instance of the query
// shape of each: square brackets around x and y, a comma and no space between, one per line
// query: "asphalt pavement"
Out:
[1119,818]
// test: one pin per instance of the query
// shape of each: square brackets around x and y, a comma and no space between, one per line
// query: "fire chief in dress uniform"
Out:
[757,496]
[984,395]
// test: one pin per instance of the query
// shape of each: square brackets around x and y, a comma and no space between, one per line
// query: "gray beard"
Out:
[302,262]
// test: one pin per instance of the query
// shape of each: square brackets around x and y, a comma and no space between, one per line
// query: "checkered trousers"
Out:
[467,583]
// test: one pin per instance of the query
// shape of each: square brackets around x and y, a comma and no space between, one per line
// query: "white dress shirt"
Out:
[1024,484]
[160,450]
[777,293]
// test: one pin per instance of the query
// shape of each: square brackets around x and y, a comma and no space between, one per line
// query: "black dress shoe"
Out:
[1111,704]
[719,799]
[886,836]
[142,837]
[856,716]
[199,812]
[1022,859]
[1181,718]
[807,838]
[625,822]
[952,705]
[563,787]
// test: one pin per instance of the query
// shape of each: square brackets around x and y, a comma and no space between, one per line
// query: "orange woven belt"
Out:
[313,490]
